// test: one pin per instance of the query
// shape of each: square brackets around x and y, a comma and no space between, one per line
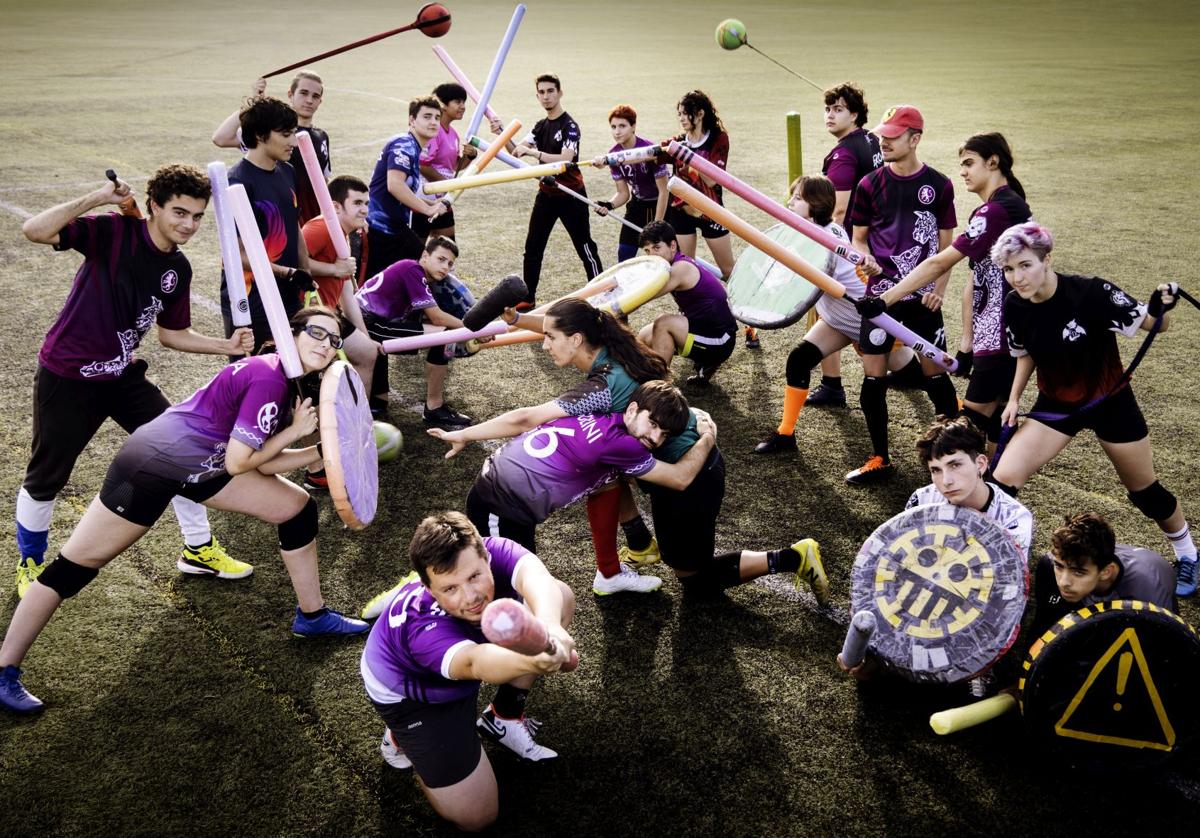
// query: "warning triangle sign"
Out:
[1118,703]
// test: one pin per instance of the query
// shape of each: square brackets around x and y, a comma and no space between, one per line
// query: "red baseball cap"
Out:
[899,119]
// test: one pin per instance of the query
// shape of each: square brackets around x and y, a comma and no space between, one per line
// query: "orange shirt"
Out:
[320,249]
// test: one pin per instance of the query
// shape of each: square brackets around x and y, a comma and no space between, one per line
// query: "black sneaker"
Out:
[775,443]
[378,406]
[446,416]
[825,396]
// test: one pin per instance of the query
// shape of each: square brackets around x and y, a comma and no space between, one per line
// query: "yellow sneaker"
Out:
[212,560]
[380,601]
[28,569]
[640,558]
[811,571]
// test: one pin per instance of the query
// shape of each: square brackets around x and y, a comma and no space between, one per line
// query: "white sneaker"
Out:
[627,580]
[514,734]
[392,754]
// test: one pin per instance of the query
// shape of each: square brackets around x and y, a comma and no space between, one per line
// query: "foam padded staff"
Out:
[492,178]
[854,650]
[511,624]
[508,292]
[227,238]
[442,338]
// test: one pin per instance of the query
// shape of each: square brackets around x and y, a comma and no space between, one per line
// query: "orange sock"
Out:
[603,511]
[793,400]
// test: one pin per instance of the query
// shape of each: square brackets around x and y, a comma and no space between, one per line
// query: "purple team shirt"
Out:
[397,292]
[411,645]
[640,176]
[559,462]
[124,286]
[442,152]
[706,304]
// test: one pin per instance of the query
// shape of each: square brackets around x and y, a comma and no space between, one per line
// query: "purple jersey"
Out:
[640,176]
[903,216]
[705,304]
[557,463]
[1004,209]
[397,292]
[385,212]
[247,401]
[124,286]
[854,156]
[411,645]
[442,152]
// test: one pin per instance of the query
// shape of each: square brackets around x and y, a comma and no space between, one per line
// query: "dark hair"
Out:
[817,191]
[1084,538]
[850,93]
[625,112]
[994,145]
[342,185]
[441,241]
[263,114]
[439,539]
[946,436]
[414,107]
[601,329]
[304,74]
[176,179]
[300,319]
[657,232]
[695,101]
[668,408]
[550,77]
[449,92]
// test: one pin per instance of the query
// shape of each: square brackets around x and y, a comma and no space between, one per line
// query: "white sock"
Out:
[33,515]
[1181,543]
[193,521]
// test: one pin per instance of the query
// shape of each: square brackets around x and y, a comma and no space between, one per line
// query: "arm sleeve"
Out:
[571,137]
[719,154]
[630,456]
[1123,312]
[981,232]
[1014,331]
[588,396]
[947,220]
[87,234]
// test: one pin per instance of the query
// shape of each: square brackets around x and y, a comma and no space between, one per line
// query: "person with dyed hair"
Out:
[1062,326]
[641,187]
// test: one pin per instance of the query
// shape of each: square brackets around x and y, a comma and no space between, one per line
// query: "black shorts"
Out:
[386,249]
[640,213]
[685,523]
[872,340]
[1116,419]
[140,496]
[443,222]
[686,224]
[706,351]
[440,739]
[381,330]
[991,378]
[490,522]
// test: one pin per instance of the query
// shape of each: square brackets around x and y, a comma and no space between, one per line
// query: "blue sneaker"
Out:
[330,622]
[1185,577]
[13,694]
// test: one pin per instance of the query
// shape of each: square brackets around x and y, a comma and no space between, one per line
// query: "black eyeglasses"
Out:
[321,333]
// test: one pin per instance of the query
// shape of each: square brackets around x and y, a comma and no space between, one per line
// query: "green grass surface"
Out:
[181,706]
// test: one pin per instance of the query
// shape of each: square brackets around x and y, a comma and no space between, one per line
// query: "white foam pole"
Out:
[231,257]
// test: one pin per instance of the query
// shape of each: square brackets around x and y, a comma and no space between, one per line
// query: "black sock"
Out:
[312,615]
[873,400]
[637,535]
[941,392]
[786,560]
[509,702]
[200,546]
[834,382]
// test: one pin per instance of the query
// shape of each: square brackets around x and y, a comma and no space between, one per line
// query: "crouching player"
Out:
[422,671]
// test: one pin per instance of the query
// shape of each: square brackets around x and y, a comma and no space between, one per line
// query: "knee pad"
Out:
[66,578]
[995,427]
[301,529]
[980,421]
[1155,502]
[1011,491]
[800,363]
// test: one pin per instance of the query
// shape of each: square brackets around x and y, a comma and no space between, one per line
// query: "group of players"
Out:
[228,445]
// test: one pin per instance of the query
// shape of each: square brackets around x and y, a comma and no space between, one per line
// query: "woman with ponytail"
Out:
[985,165]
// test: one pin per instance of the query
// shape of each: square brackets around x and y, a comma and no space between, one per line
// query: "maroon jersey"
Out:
[854,157]
[712,147]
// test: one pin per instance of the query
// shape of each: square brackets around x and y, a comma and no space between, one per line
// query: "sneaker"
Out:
[212,560]
[775,443]
[872,471]
[328,623]
[378,406]
[380,601]
[13,694]
[752,341]
[514,734]
[812,572]
[640,558]
[28,569]
[1185,577]
[526,305]
[627,580]
[825,396]
[316,480]
[446,416]
[392,753]
[702,378]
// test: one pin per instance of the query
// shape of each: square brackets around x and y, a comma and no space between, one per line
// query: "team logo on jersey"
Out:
[976,227]
[238,366]
[1120,298]
[268,416]
[1073,332]
[168,282]
[558,135]
[926,194]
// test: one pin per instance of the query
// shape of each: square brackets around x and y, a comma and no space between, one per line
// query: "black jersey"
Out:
[555,136]
[1144,575]
[309,208]
[855,156]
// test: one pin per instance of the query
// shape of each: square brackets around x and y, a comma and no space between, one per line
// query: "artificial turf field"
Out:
[181,706]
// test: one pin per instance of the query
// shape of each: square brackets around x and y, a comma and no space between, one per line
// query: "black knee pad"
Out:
[995,426]
[300,530]
[66,578]
[977,419]
[1155,502]
[800,363]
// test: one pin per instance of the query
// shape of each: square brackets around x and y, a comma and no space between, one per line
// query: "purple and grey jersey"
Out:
[124,286]
[640,176]
[246,401]
[1005,510]
[398,292]
[557,463]
[411,645]
[903,216]
[705,304]
[1004,209]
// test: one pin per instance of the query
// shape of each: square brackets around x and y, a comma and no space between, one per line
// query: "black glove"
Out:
[965,361]
[1155,304]
[869,307]
[547,180]
[608,205]
[302,281]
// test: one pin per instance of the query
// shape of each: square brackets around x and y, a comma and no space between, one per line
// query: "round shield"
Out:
[1115,683]
[638,280]
[766,293]
[348,445]
[947,587]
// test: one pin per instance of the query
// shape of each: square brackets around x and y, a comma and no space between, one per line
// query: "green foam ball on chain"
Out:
[731,34]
